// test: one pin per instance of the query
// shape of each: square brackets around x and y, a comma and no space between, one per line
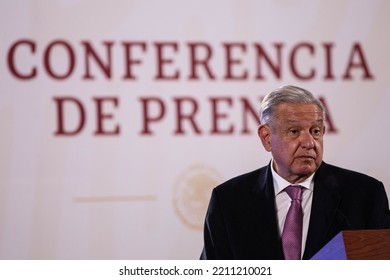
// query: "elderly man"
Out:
[292,207]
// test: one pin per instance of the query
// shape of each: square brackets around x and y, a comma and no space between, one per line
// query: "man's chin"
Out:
[306,170]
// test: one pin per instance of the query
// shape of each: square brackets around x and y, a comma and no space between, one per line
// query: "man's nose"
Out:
[307,140]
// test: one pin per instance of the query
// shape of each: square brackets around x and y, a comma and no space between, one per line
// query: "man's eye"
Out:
[316,132]
[294,131]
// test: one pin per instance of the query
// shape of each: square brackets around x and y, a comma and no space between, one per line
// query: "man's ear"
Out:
[264,132]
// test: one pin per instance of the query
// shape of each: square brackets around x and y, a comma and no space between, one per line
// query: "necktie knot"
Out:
[294,192]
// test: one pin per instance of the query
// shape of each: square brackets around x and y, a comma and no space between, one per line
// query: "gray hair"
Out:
[287,94]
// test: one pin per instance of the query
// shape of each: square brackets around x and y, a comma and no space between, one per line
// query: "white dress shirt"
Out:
[283,201]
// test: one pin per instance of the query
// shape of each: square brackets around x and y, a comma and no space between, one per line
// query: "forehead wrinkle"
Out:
[290,121]
[297,117]
[296,109]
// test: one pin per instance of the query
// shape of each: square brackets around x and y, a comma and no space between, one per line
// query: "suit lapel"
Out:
[326,199]
[263,204]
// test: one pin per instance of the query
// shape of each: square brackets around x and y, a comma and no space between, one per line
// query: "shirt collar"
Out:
[280,183]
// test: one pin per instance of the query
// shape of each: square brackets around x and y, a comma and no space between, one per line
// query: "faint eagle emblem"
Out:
[192,193]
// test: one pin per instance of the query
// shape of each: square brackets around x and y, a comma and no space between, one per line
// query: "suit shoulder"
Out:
[348,175]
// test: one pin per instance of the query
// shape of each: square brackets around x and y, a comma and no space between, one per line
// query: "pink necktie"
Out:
[292,231]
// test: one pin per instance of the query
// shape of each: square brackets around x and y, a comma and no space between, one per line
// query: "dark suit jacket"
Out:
[241,221]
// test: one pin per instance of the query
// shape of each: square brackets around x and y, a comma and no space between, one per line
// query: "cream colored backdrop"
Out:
[174,84]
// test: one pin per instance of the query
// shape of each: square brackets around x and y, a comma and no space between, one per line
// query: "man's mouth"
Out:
[307,157]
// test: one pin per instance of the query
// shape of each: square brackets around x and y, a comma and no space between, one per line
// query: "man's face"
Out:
[295,139]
